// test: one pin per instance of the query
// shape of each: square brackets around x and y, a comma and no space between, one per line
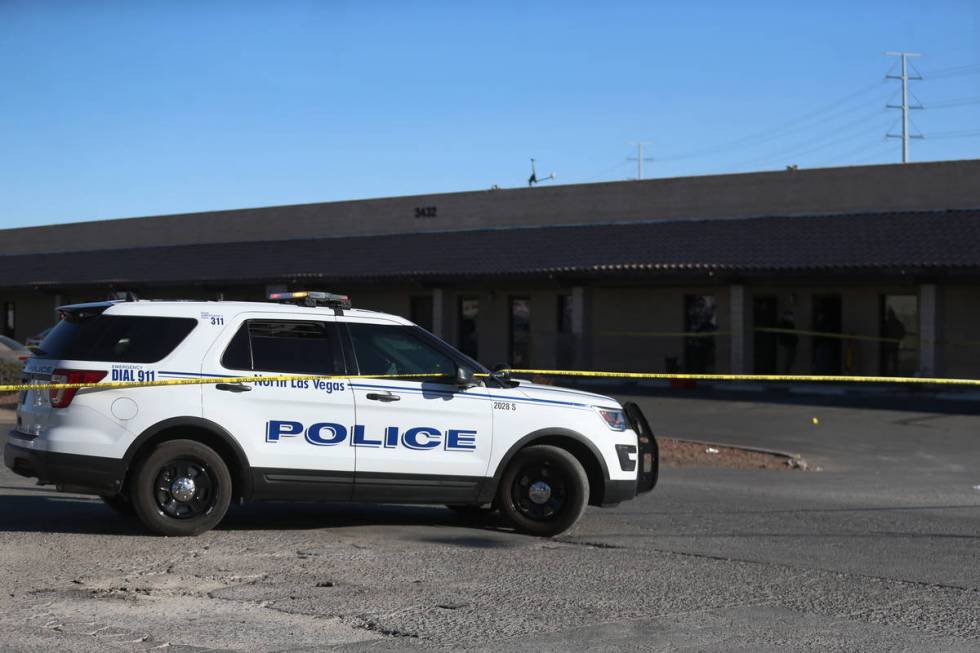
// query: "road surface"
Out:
[876,552]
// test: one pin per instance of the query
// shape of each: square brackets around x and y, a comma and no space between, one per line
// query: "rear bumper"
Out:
[86,474]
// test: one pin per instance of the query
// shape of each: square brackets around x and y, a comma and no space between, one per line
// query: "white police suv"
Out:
[433,427]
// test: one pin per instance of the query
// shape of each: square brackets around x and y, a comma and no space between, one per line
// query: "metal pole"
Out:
[905,109]
[639,160]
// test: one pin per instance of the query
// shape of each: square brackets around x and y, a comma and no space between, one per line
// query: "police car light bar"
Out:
[312,298]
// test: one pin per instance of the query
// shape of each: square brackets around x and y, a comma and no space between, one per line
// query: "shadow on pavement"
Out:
[61,514]
[71,514]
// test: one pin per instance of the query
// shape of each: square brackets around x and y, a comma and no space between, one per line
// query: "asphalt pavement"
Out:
[878,551]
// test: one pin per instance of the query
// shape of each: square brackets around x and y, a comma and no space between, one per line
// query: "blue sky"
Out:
[116,109]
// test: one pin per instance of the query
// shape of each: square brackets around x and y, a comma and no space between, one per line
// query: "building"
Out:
[860,270]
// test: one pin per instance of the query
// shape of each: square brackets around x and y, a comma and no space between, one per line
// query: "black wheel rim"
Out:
[540,491]
[185,488]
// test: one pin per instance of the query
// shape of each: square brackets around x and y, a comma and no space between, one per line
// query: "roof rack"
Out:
[313,298]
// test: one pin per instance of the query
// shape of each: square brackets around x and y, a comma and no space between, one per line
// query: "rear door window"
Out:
[289,346]
[115,338]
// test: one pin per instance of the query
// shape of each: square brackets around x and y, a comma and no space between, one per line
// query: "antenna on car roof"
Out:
[123,296]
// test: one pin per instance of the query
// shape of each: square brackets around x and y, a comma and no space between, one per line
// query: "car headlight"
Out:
[614,418]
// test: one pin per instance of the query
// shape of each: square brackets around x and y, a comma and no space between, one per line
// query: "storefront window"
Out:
[469,313]
[899,332]
[565,355]
[9,319]
[700,323]
[520,332]
[421,311]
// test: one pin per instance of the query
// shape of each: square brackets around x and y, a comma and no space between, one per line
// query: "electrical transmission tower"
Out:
[905,107]
[639,159]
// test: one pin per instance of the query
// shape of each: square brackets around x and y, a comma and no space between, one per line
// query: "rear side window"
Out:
[115,338]
[287,346]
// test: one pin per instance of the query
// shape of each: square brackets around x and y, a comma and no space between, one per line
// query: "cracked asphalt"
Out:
[877,552]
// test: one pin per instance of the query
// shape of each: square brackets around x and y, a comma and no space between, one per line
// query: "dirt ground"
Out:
[683,453]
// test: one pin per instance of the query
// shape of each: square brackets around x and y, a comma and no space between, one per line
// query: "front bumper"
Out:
[616,492]
[84,474]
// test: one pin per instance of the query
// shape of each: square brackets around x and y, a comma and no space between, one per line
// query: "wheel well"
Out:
[588,460]
[236,467]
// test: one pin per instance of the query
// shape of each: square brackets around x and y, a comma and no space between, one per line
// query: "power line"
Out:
[604,172]
[954,102]
[769,134]
[804,147]
[905,101]
[849,154]
[955,71]
[963,133]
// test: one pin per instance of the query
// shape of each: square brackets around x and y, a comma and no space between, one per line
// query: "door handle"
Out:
[233,387]
[385,397]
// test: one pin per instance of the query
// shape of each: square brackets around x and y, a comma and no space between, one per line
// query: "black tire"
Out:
[120,504]
[167,503]
[543,491]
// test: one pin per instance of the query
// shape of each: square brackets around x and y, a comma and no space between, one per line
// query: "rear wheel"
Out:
[120,504]
[544,490]
[182,488]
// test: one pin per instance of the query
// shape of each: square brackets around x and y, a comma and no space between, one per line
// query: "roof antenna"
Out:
[533,179]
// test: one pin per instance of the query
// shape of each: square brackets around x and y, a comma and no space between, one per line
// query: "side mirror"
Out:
[465,377]
[501,374]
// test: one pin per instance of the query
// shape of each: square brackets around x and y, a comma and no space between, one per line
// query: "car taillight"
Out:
[61,398]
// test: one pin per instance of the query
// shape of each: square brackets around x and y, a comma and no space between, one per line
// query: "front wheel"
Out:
[543,491]
[182,488]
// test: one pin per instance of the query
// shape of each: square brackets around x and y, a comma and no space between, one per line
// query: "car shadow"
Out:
[52,513]
[39,513]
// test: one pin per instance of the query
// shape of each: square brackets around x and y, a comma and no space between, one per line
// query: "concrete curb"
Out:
[728,445]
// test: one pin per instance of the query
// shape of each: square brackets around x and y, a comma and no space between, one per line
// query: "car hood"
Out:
[558,394]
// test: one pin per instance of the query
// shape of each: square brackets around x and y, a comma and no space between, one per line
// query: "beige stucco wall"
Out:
[650,311]
[959,331]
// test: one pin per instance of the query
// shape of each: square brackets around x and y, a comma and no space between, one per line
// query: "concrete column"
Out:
[582,326]
[739,329]
[438,313]
[928,333]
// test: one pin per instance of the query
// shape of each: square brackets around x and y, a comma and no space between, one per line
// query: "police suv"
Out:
[432,426]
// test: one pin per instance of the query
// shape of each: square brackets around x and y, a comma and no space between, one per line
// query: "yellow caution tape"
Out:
[828,334]
[712,334]
[912,336]
[661,376]
[206,381]
[667,334]
[786,378]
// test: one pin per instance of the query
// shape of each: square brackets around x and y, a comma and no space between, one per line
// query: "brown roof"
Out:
[940,241]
